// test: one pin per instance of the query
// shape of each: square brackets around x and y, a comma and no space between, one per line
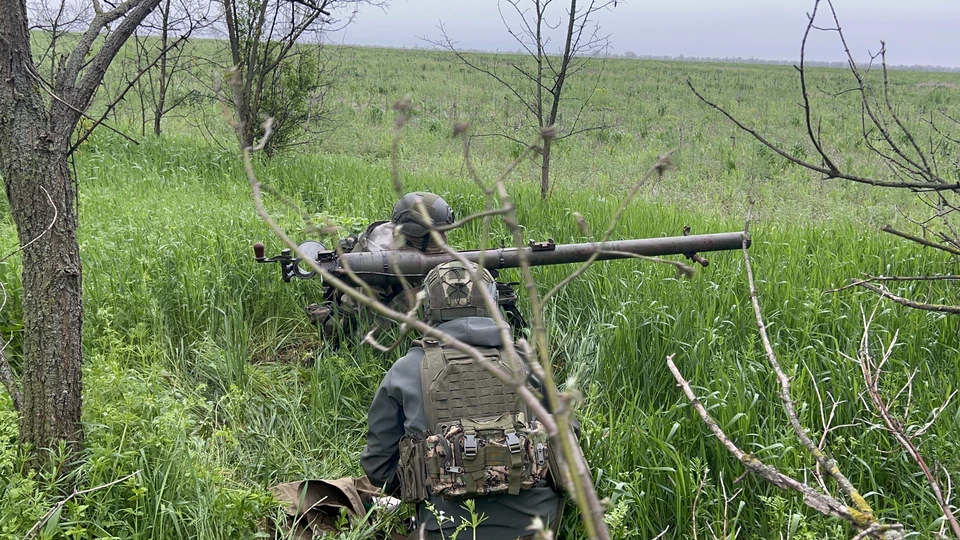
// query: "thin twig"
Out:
[939,308]
[869,279]
[921,241]
[871,376]
[43,85]
[827,463]
[32,533]
[53,221]
[818,501]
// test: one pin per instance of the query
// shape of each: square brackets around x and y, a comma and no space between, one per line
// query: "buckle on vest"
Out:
[541,455]
[513,442]
[454,469]
[470,445]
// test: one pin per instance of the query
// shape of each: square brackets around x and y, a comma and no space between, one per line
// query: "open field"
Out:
[203,374]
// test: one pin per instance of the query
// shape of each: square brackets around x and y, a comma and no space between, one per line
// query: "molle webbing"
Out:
[456,388]
[479,440]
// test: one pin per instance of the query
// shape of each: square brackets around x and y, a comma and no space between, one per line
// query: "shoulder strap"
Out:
[430,367]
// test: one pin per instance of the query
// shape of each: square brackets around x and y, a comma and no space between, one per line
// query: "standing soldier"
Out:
[444,429]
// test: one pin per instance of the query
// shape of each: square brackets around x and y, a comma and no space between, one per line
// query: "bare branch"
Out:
[806,98]
[827,463]
[79,111]
[939,308]
[814,499]
[130,84]
[82,92]
[450,45]
[913,186]
[922,241]
[869,279]
[871,375]
[32,533]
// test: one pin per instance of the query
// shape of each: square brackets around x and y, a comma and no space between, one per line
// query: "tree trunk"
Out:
[38,185]
[545,169]
[162,90]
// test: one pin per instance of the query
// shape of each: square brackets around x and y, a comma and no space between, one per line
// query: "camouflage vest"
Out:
[479,440]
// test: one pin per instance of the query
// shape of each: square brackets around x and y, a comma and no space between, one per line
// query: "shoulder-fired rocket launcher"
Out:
[388,267]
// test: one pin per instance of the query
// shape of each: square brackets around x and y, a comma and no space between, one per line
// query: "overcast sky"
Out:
[916,31]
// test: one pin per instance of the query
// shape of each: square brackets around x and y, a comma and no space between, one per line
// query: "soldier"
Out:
[409,229]
[443,429]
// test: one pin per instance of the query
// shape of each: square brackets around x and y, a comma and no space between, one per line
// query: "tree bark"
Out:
[162,90]
[545,168]
[36,176]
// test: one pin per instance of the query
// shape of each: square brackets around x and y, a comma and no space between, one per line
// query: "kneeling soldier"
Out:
[443,429]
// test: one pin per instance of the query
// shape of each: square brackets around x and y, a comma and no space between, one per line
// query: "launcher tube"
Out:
[386,267]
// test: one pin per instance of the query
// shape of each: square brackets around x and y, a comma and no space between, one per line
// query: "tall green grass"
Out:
[203,374]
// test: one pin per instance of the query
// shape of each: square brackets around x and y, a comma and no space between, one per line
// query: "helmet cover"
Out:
[412,222]
[451,292]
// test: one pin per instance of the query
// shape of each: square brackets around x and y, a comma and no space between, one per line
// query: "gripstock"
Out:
[390,267]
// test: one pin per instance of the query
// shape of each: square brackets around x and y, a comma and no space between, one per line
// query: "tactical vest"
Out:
[479,440]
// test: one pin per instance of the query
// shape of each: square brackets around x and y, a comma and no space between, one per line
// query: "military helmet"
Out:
[451,292]
[412,222]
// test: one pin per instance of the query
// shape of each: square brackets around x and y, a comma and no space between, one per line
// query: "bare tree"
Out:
[162,54]
[37,120]
[279,76]
[539,87]
[52,21]
[911,162]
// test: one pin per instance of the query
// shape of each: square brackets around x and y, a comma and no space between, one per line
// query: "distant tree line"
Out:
[630,55]
[751,60]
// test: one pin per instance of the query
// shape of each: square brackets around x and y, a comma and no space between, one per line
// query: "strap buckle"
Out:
[470,445]
[513,442]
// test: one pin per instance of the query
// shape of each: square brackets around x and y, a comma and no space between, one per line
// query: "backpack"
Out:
[480,439]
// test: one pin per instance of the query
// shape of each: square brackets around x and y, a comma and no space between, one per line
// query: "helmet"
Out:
[407,215]
[452,293]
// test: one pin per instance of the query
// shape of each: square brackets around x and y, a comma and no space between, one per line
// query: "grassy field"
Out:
[203,374]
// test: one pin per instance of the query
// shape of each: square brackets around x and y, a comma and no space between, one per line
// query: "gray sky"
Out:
[916,31]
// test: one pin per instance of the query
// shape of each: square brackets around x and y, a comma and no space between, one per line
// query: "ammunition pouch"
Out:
[479,439]
[471,458]
[413,487]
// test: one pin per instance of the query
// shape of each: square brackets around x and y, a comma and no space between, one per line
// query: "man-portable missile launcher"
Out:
[391,268]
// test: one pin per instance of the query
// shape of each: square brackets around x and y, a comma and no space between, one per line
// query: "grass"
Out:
[203,374]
